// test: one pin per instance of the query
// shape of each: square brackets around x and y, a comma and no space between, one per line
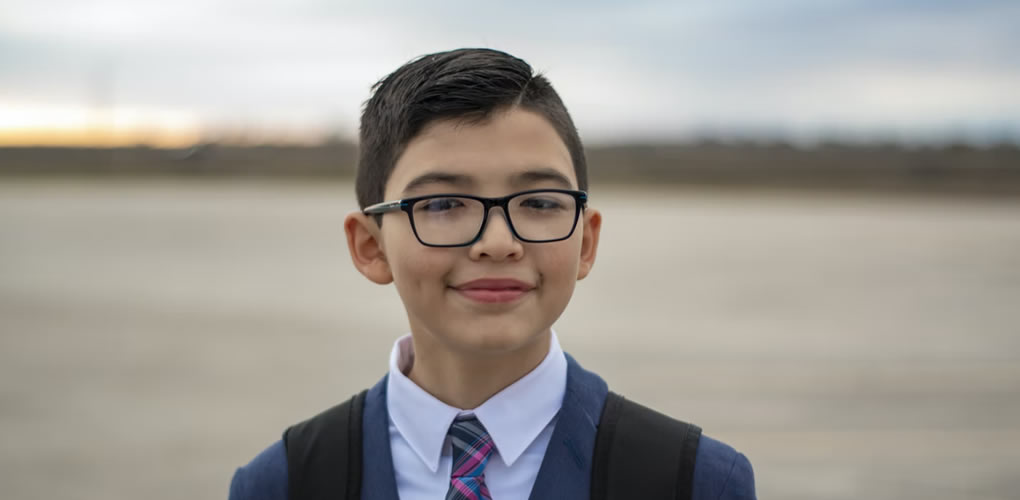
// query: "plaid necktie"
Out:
[472,447]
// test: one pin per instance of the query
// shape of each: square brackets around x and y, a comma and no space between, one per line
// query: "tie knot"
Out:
[472,447]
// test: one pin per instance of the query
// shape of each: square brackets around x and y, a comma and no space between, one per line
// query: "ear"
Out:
[365,245]
[592,225]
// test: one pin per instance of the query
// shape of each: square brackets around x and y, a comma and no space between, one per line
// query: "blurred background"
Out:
[811,243]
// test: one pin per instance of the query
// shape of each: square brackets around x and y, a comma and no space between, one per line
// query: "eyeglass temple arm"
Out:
[386,206]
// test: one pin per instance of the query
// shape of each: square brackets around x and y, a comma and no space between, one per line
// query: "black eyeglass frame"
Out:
[406,205]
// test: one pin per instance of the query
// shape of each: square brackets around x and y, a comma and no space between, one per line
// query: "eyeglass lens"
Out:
[454,220]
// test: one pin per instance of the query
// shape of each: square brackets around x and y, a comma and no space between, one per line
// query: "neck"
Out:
[465,380]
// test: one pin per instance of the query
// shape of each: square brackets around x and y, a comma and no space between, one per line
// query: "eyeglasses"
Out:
[457,220]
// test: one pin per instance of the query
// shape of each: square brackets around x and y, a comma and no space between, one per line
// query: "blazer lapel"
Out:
[565,473]
[378,481]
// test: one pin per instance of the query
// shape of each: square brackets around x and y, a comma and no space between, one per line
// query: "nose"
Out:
[497,240]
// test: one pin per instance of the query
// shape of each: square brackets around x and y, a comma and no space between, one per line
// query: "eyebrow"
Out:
[425,179]
[541,174]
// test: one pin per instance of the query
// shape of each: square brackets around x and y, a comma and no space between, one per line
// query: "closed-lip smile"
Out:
[494,290]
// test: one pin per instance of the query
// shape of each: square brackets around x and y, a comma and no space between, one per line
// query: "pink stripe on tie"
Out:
[464,490]
[473,458]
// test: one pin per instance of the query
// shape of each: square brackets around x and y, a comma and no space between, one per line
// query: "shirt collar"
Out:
[514,416]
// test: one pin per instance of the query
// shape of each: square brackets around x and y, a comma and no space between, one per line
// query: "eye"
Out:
[542,203]
[436,205]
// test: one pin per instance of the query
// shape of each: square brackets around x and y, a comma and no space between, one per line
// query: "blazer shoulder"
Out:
[264,478]
[721,472]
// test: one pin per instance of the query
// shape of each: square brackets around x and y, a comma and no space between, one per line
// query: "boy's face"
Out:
[488,159]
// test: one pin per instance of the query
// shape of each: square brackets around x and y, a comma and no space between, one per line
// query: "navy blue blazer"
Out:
[720,472]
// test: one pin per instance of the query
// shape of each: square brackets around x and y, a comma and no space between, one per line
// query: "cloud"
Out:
[645,69]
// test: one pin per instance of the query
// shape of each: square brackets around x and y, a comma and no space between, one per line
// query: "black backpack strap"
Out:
[324,453]
[641,453]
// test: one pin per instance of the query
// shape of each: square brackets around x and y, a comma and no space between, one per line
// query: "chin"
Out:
[498,340]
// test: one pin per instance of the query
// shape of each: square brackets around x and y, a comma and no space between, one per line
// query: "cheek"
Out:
[421,271]
[409,261]
[560,263]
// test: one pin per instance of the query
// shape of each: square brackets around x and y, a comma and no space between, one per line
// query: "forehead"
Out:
[511,150]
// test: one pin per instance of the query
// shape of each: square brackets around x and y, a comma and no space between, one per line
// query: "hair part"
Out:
[464,84]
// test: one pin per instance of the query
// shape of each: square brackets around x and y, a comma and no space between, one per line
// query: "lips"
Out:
[494,290]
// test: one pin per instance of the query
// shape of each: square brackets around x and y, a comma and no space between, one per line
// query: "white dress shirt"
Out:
[520,420]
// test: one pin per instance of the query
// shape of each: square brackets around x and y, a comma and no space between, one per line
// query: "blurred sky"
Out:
[173,72]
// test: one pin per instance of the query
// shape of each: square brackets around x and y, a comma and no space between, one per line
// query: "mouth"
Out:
[489,291]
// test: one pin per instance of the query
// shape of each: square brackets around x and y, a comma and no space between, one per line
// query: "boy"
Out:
[472,183]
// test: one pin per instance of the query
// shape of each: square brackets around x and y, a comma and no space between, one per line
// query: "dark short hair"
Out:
[464,84]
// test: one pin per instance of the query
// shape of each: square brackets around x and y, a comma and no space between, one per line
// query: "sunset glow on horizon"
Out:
[94,138]
[49,126]
[35,125]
